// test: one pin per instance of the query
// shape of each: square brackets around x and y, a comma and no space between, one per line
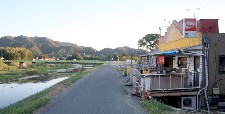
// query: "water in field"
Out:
[15,91]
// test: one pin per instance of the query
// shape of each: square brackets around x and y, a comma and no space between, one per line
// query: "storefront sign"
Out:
[161,60]
[189,28]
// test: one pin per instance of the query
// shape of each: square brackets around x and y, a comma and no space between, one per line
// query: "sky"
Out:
[101,23]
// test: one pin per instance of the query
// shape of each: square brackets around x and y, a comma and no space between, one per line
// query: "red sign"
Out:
[161,60]
[190,24]
[189,28]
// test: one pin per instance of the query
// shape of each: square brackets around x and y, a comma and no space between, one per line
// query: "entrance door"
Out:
[196,74]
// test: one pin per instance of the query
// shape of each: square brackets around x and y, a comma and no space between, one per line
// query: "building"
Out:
[189,70]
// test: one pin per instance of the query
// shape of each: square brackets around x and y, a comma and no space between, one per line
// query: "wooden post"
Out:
[33,64]
[20,65]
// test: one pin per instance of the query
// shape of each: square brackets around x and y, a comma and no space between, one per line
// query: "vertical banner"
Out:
[174,62]
[189,28]
[161,60]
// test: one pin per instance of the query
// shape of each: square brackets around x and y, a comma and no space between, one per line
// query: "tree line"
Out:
[44,48]
[9,53]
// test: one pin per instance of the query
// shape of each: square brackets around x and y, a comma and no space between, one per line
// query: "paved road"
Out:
[100,92]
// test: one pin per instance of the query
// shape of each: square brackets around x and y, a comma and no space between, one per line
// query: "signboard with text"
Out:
[189,28]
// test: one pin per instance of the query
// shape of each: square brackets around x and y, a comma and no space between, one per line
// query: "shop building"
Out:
[188,69]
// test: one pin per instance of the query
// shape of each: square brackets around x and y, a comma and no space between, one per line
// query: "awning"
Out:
[179,52]
[169,52]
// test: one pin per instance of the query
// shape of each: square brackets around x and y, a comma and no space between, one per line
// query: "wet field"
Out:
[13,92]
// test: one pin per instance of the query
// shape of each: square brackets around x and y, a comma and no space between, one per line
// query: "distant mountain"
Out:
[45,46]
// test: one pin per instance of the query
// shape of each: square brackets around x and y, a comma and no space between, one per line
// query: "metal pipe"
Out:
[159,81]
[206,76]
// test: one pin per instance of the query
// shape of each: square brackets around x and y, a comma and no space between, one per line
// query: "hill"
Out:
[43,46]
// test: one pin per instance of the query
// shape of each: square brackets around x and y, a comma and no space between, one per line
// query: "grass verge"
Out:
[155,107]
[36,101]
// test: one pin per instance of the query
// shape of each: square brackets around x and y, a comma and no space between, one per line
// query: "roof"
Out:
[179,52]
[154,52]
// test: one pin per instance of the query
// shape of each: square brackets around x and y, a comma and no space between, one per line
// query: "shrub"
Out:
[155,107]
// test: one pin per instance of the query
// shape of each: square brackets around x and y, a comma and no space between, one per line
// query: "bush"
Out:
[5,67]
[155,107]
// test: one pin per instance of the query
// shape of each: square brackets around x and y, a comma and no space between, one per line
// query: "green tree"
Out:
[16,53]
[150,41]
[70,57]
[123,57]
[78,56]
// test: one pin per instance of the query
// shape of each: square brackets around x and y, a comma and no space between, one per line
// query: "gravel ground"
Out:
[101,92]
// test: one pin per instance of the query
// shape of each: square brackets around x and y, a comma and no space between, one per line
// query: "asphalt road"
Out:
[100,92]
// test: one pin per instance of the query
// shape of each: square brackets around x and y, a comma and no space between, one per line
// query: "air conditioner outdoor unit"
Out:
[189,103]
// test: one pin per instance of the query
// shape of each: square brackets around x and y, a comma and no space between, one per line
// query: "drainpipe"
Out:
[205,50]
[207,78]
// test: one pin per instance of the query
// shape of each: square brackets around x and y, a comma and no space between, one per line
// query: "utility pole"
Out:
[195,10]
[132,57]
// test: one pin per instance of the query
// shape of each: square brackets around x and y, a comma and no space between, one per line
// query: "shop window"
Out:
[222,63]
[168,62]
[182,62]
[144,60]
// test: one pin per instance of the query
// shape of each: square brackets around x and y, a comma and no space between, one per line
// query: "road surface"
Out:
[100,92]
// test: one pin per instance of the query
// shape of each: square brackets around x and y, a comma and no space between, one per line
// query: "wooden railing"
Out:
[168,81]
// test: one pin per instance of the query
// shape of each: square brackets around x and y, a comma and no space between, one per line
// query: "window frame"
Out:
[221,61]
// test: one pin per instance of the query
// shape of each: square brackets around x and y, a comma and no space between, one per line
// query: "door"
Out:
[196,74]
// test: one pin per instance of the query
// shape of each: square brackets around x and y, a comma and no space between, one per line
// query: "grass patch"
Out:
[36,101]
[73,78]
[8,77]
[155,107]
